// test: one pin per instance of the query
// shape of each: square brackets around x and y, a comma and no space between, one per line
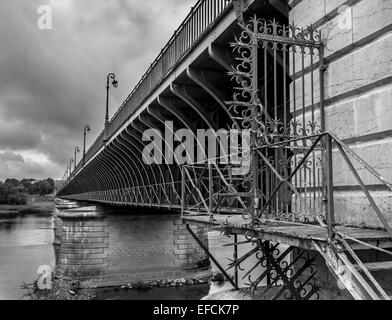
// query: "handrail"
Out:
[344,151]
[199,20]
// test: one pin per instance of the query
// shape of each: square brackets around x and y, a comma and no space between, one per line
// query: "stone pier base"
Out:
[114,249]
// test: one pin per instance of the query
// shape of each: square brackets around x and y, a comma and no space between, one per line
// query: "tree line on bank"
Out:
[14,191]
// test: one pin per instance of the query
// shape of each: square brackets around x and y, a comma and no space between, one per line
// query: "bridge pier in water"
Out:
[115,246]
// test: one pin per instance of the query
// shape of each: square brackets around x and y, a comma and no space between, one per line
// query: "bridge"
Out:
[244,67]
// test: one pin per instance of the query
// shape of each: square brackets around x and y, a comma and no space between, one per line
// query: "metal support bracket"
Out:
[346,272]
[194,236]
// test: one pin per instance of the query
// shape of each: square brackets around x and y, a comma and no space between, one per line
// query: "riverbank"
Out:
[35,205]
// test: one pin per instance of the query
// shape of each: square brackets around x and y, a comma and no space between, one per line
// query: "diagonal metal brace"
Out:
[194,236]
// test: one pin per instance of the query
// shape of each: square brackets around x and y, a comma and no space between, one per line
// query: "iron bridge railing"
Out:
[201,19]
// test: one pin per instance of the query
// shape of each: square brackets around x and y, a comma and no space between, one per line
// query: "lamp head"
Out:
[115,83]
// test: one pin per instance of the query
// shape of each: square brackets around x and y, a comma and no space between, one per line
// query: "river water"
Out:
[26,243]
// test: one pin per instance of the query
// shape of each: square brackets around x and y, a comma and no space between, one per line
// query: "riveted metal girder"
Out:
[136,144]
[139,128]
[182,92]
[200,77]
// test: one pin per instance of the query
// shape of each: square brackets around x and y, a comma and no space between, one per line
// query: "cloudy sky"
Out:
[52,82]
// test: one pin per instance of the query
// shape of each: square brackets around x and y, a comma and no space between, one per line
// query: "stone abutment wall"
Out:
[358,106]
[358,93]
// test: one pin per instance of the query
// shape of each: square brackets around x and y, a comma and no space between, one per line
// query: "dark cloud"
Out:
[16,135]
[6,157]
[52,82]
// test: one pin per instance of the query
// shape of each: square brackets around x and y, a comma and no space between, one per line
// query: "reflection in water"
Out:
[7,225]
[25,244]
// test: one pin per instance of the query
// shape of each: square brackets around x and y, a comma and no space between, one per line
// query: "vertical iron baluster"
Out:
[210,189]
[313,125]
[208,12]
[323,125]
[275,133]
[235,256]
[181,37]
[205,16]
[189,34]
[285,191]
[295,124]
[255,91]
[330,204]
[201,18]
[266,120]
[191,28]
[198,22]
[304,144]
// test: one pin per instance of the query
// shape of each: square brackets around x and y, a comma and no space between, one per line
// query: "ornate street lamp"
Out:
[86,129]
[77,150]
[112,77]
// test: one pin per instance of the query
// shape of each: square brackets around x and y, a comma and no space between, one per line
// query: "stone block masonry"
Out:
[113,249]
[358,88]
[358,43]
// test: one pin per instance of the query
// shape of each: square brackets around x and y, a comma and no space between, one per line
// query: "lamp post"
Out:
[86,129]
[70,166]
[111,76]
[77,150]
